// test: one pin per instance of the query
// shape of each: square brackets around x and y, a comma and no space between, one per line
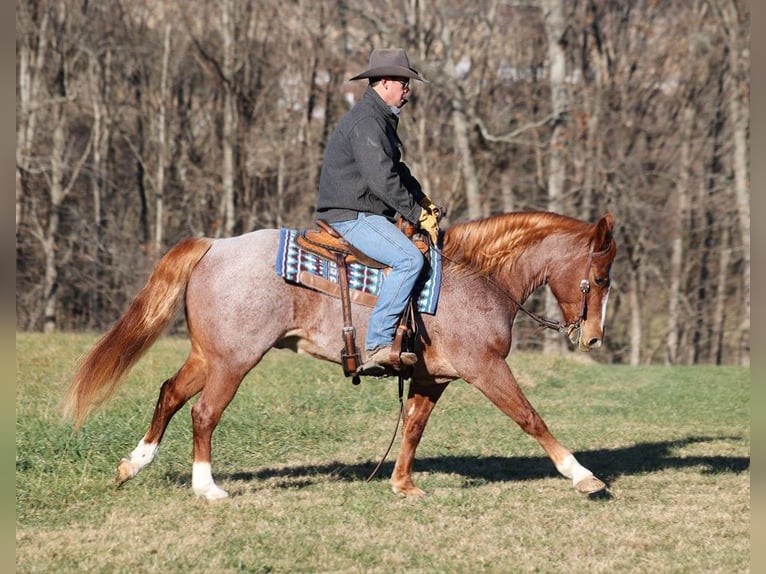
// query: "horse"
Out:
[237,309]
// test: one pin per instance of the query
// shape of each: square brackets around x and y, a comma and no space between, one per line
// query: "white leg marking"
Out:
[142,455]
[573,469]
[203,484]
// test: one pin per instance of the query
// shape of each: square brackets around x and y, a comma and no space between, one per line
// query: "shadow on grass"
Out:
[607,464]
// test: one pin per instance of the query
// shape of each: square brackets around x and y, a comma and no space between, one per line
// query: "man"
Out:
[364,185]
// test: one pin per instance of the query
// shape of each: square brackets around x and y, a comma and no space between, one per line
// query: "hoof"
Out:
[211,492]
[411,491]
[591,486]
[125,471]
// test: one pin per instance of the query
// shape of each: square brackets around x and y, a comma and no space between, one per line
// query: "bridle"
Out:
[568,328]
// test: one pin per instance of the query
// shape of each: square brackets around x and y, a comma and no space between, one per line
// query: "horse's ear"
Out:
[603,237]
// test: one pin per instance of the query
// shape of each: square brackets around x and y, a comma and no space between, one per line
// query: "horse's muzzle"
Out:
[583,341]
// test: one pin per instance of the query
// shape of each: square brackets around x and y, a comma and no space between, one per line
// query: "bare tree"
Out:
[680,225]
[736,21]
[31,51]
[155,130]
[554,17]
[45,214]
[229,119]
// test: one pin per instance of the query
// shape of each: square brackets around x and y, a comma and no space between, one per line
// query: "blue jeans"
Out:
[378,238]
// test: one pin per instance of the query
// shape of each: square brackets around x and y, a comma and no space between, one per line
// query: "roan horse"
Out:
[237,308]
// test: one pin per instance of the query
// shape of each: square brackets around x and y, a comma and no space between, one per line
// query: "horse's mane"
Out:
[483,246]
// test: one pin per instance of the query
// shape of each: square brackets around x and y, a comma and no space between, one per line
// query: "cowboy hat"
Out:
[389,62]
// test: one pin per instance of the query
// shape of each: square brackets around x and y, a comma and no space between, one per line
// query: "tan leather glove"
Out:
[429,224]
[429,205]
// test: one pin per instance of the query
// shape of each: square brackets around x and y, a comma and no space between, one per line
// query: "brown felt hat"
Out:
[386,62]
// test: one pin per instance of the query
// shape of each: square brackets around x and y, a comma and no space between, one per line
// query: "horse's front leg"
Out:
[420,403]
[499,385]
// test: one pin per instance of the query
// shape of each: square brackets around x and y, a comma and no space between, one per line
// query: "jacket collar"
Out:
[380,106]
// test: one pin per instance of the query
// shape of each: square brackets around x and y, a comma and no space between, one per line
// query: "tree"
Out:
[60,175]
[554,17]
[139,124]
[736,29]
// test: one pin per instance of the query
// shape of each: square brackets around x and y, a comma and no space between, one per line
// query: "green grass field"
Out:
[297,443]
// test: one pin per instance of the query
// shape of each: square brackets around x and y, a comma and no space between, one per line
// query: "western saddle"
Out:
[328,243]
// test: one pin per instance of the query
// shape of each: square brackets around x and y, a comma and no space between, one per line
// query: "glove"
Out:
[428,223]
[430,206]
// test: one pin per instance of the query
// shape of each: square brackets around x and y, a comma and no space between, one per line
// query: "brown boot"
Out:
[380,356]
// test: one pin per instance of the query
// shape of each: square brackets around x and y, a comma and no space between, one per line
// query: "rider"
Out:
[364,185]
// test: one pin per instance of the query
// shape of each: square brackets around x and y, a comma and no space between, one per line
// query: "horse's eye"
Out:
[601,281]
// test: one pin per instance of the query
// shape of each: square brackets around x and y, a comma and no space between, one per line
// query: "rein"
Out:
[396,430]
[407,317]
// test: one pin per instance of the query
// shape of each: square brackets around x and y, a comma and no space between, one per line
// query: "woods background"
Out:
[140,123]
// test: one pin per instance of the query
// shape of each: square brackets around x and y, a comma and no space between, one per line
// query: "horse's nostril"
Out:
[594,342]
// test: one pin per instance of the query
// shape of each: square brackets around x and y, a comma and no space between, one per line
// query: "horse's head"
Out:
[582,287]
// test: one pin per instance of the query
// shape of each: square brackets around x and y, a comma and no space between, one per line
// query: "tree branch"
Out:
[513,137]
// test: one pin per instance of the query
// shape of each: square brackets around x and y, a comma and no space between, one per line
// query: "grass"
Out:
[297,443]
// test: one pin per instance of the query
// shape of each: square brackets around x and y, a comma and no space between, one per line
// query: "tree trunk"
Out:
[143,215]
[739,63]
[465,159]
[280,191]
[506,190]
[62,168]
[49,240]
[742,187]
[460,129]
[553,14]
[635,331]
[102,134]
[56,191]
[229,120]
[718,315]
[676,272]
[159,192]
[701,337]
[30,70]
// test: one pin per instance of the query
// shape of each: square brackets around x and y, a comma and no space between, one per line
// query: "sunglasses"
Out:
[405,83]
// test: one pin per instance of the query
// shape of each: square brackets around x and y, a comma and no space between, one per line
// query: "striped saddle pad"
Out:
[303,267]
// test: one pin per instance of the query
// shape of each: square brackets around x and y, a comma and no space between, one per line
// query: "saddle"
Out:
[328,243]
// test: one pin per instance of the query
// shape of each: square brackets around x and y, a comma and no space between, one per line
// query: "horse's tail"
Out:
[102,369]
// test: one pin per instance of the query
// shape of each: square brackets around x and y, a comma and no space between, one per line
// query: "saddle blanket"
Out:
[295,263]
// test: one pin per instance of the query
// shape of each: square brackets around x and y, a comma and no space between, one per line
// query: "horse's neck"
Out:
[518,279]
[519,252]
[525,276]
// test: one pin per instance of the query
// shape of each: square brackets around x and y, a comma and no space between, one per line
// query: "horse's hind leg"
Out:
[420,403]
[220,389]
[174,394]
